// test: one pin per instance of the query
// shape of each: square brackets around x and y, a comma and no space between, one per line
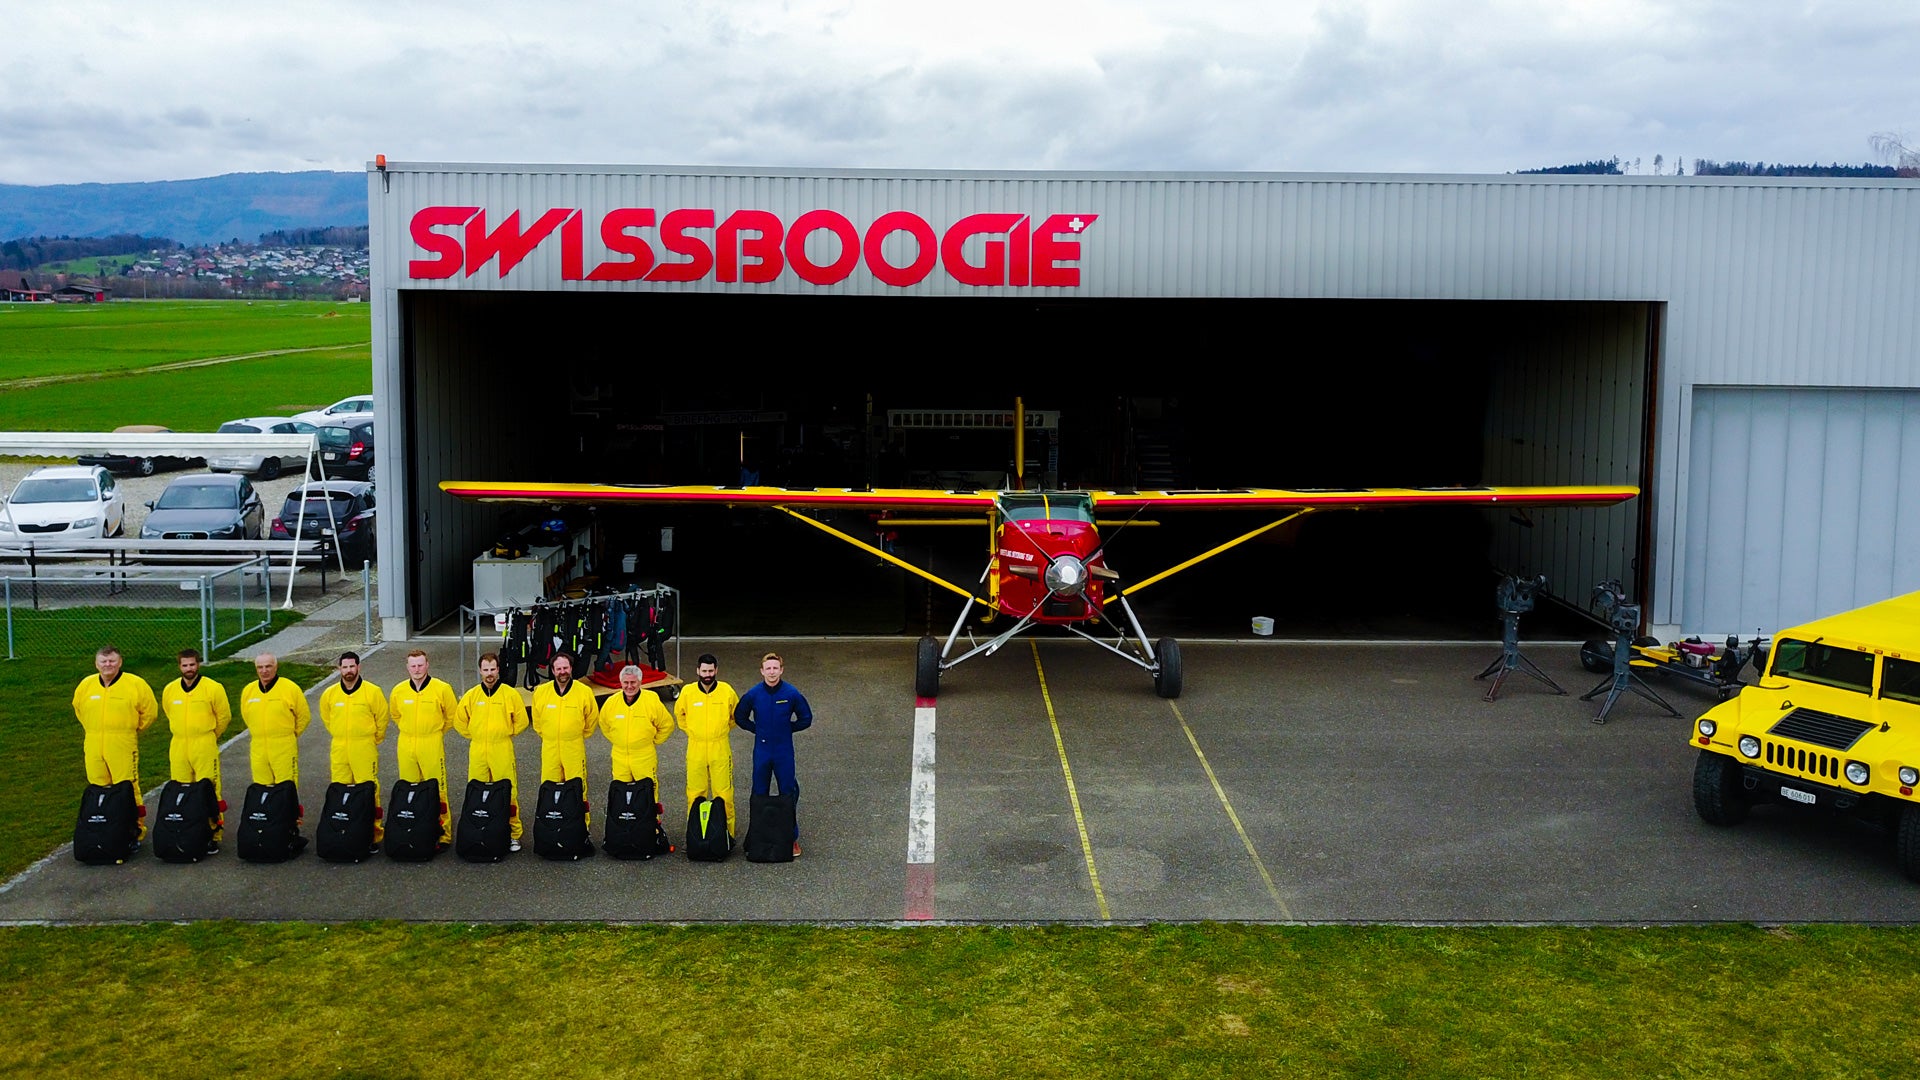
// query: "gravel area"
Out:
[139,490]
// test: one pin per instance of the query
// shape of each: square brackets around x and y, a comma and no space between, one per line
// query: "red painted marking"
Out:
[919,891]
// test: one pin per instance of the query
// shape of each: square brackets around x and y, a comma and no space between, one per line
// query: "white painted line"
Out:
[920,797]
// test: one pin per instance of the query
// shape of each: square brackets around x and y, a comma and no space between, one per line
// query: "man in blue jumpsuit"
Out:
[773,710]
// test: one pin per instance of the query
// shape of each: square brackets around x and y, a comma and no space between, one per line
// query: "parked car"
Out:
[352,522]
[205,506]
[345,411]
[346,451]
[64,502]
[265,467]
[123,465]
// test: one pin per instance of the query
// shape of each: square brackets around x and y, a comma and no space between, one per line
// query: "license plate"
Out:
[330,457]
[1799,796]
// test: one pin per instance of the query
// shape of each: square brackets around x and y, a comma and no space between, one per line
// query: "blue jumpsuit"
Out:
[773,714]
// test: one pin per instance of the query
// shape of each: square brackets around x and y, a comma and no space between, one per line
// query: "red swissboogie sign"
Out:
[754,246]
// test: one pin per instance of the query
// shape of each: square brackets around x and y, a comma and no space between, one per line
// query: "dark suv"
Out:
[346,451]
[351,521]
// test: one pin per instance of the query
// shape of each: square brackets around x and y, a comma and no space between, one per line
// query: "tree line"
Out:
[1613,166]
[27,252]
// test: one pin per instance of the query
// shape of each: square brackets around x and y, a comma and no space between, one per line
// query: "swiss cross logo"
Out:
[756,246]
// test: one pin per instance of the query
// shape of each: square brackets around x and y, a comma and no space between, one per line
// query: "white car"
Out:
[265,467]
[346,411]
[62,502]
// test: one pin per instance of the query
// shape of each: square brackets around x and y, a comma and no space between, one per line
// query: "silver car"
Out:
[270,466]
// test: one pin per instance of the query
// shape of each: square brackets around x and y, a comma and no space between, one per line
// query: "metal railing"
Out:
[63,614]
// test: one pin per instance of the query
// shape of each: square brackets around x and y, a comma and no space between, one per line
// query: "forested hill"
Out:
[234,206]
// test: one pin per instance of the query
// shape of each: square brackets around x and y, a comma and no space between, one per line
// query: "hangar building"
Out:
[1746,350]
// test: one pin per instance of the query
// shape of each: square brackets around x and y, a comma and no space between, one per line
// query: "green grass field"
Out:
[194,399]
[1161,1001]
[67,339]
[41,770]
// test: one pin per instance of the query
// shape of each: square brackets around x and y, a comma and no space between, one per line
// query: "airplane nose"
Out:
[1066,576]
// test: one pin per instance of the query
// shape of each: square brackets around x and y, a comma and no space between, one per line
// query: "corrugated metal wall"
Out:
[1805,502]
[1767,282]
[1568,390]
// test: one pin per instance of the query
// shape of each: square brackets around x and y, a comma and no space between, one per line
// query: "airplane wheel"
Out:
[1597,656]
[926,669]
[1166,681]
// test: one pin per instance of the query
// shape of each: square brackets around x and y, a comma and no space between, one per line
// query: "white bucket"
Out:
[1263,626]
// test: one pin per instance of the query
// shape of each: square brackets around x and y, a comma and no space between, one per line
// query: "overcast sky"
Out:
[121,91]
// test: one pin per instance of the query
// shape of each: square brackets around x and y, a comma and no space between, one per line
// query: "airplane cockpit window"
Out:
[1052,507]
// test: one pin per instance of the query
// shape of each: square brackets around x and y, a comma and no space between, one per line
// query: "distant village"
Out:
[229,270]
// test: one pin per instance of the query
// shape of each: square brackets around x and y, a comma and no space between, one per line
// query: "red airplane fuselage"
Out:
[1047,561]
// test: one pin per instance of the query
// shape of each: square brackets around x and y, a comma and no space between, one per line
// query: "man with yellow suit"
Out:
[198,712]
[564,714]
[355,712]
[635,722]
[114,707]
[705,712]
[275,712]
[424,708]
[491,715]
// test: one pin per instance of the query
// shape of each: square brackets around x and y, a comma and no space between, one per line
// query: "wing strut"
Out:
[871,550]
[1205,555]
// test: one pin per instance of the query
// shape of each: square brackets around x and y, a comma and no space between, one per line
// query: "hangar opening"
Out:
[1151,393]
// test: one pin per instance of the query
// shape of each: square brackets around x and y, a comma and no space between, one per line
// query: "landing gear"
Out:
[926,668]
[1167,678]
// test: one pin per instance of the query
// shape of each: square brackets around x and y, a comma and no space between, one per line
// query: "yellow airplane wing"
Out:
[877,499]
[1361,498]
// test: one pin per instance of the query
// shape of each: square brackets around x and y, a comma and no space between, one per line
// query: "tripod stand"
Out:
[1514,597]
[1624,618]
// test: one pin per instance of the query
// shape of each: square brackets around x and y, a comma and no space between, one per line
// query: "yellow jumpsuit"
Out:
[113,718]
[634,730]
[275,716]
[491,721]
[198,717]
[563,722]
[707,718]
[358,722]
[424,716]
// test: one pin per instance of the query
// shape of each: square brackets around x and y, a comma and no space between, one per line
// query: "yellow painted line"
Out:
[1272,890]
[1073,794]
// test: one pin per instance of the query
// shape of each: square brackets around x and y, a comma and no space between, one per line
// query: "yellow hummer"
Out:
[1834,722]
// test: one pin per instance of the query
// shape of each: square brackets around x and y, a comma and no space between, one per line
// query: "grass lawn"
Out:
[41,770]
[1161,1001]
[195,399]
[64,339]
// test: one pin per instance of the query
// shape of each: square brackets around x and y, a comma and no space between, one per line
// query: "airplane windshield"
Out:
[1054,507]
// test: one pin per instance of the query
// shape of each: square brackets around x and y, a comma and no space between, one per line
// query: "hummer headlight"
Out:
[1708,727]
[1909,775]
[1749,746]
[1858,773]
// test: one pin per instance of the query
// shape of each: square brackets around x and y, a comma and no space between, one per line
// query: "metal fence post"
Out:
[206,616]
[366,596]
[9,584]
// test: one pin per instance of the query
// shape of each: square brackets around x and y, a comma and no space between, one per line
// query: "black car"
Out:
[205,506]
[124,465]
[352,520]
[346,450]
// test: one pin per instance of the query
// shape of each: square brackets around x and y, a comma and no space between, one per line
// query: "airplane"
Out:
[1047,565]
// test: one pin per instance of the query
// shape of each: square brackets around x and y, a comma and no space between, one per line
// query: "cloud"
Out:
[122,92]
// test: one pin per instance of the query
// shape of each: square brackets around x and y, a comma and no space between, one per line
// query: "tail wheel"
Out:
[1717,794]
[926,669]
[1167,680]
